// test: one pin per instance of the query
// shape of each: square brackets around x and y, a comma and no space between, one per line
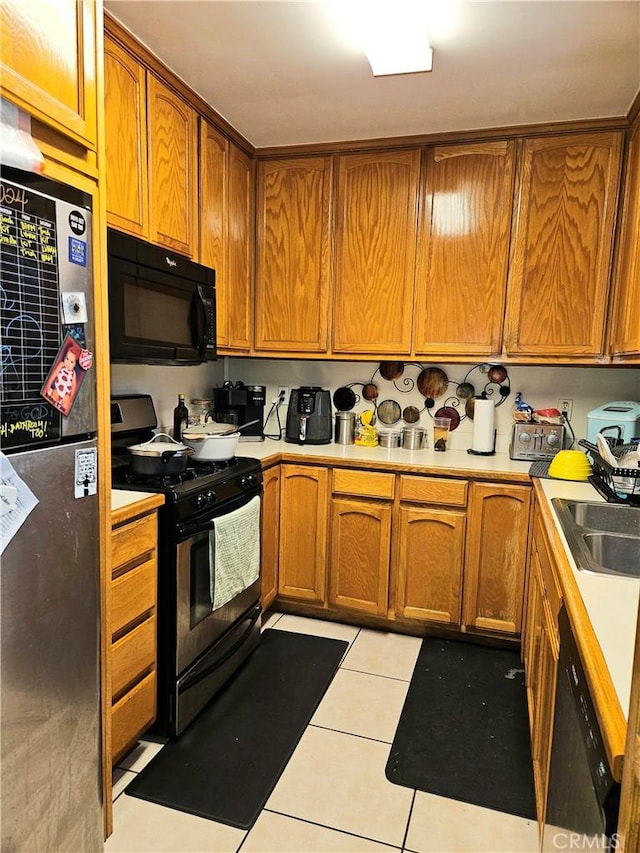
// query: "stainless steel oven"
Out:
[208,567]
[214,632]
[583,798]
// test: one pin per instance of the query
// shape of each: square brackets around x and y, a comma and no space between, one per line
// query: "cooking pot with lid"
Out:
[212,442]
[160,456]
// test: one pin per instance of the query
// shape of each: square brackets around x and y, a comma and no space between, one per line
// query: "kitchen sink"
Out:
[603,537]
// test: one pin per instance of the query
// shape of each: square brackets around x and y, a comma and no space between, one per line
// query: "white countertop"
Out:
[121,498]
[611,602]
[457,460]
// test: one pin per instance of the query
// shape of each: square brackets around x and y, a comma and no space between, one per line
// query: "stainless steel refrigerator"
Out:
[50,771]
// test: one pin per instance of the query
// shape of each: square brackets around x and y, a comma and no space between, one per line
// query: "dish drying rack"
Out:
[616,485]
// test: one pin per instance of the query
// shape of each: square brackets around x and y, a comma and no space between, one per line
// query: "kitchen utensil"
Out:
[605,450]
[391,370]
[160,456]
[389,412]
[344,399]
[432,382]
[449,412]
[570,465]
[411,414]
[212,447]
[414,438]
[345,425]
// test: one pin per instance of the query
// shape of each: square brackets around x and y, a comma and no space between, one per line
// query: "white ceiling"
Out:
[277,72]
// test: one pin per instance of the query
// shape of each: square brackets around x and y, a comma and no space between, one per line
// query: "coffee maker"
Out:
[239,404]
[309,419]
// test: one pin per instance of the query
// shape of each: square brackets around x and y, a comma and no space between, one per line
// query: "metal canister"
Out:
[345,425]
[390,438]
[414,438]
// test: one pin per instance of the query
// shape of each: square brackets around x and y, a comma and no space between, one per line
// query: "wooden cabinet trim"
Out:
[434,490]
[372,484]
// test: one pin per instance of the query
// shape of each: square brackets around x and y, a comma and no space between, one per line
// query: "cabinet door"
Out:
[213,202]
[375,254]
[303,533]
[559,273]
[125,121]
[462,277]
[625,335]
[270,528]
[360,547]
[541,664]
[430,564]
[495,557]
[49,63]
[292,276]
[238,296]
[172,169]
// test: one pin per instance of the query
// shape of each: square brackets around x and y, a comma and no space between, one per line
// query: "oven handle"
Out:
[186,531]
[190,680]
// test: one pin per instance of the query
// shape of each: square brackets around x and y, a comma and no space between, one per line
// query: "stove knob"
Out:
[524,437]
[211,497]
[200,501]
[248,481]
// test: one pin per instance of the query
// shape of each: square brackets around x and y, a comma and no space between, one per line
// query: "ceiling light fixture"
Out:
[392,33]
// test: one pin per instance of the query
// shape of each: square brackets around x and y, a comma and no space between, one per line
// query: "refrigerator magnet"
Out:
[74,307]
[61,386]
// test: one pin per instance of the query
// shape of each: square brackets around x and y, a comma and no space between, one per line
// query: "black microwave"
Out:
[162,306]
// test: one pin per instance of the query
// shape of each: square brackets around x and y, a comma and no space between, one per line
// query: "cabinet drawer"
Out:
[433,490]
[368,484]
[133,541]
[133,655]
[132,715]
[132,595]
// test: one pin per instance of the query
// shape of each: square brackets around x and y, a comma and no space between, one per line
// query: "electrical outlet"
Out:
[566,406]
[283,394]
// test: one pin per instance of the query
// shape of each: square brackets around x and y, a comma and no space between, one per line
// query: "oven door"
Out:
[216,585]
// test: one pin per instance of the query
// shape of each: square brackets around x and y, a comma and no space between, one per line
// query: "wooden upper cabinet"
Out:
[214,155]
[561,257]
[464,249]
[237,299]
[49,63]
[625,332]
[375,252]
[126,141]
[173,183]
[292,277]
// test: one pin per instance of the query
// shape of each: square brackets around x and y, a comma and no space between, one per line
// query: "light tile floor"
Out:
[333,794]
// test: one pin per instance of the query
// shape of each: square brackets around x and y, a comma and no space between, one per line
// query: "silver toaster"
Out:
[531,441]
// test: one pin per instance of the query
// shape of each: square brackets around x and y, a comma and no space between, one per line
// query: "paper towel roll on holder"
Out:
[483,429]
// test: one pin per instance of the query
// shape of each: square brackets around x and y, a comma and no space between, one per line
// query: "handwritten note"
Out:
[16,502]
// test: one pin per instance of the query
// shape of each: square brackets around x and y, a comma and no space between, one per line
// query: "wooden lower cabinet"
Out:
[304,499]
[495,557]
[398,547]
[270,533]
[133,629]
[430,549]
[541,647]
[361,511]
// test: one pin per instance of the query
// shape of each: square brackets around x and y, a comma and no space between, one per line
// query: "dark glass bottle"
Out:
[180,418]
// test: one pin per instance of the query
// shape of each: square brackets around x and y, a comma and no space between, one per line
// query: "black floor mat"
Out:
[225,765]
[464,729]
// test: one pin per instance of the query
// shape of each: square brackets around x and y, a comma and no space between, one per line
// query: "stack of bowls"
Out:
[570,465]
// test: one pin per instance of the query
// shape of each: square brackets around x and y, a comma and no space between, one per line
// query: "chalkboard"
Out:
[30,329]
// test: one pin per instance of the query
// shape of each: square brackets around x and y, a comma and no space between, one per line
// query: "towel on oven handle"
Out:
[234,546]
